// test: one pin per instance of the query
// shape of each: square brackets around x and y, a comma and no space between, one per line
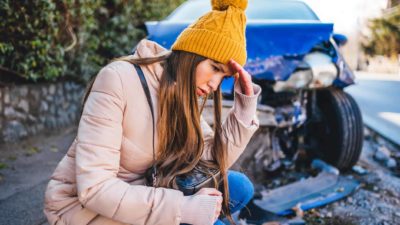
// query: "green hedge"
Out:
[46,39]
[385,35]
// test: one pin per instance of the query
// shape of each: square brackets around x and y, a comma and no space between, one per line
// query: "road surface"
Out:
[379,99]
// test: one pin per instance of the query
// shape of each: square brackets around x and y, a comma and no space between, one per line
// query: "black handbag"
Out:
[191,182]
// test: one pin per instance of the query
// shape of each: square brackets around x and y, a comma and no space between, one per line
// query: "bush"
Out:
[385,35]
[28,44]
[48,39]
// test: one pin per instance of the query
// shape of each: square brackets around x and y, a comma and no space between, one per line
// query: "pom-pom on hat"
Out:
[219,34]
[224,4]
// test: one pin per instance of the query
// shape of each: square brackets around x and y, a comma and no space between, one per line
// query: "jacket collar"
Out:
[146,48]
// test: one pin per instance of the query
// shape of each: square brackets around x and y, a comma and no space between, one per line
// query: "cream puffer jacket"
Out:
[100,179]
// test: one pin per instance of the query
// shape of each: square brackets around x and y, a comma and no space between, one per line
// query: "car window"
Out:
[257,10]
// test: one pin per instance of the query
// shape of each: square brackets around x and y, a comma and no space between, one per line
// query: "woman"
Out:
[100,179]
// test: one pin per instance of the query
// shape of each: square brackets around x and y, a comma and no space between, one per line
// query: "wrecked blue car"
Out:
[295,58]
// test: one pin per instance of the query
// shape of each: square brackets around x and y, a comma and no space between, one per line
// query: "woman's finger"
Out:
[242,73]
[243,77]
[237,67]
[209,191]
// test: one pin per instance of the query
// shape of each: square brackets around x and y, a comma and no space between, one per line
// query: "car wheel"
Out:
[335,132]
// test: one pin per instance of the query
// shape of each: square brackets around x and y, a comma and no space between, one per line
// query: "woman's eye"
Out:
[215,69]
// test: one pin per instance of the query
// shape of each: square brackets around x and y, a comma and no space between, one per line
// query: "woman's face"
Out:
[209,75]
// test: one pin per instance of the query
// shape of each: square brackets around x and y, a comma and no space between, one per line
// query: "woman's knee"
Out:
[241,189]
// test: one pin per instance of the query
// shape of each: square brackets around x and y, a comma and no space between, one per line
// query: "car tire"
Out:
[336,136]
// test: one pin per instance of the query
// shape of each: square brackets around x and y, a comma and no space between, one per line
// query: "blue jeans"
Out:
[241,190]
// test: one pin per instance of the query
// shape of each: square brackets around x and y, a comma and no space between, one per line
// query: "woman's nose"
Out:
[212,86]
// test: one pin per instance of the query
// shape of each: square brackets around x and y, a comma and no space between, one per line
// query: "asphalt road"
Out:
[379,99]
[29,165]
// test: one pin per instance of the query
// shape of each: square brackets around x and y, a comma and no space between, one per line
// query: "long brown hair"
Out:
[180,145]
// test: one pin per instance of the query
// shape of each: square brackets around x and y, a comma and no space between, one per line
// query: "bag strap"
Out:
[148,96]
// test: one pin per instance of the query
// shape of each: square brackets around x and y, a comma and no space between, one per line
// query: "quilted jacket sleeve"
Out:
[239,126]
[98,159]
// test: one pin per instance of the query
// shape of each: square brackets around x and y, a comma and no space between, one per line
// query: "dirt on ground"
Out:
[375,201]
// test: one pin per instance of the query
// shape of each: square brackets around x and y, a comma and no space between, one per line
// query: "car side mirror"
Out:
[340,39]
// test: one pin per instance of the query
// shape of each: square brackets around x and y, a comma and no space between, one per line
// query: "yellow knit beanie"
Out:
[219,34]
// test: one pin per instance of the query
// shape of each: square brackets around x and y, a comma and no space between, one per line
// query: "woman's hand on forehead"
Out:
[243,77]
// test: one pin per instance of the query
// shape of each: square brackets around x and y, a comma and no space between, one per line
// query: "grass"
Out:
[12,157]
[3,165]
[31,151]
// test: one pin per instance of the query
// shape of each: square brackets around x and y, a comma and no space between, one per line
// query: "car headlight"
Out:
[299,79]
[323,69]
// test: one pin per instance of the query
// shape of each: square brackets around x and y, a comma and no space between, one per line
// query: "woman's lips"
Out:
[201,92]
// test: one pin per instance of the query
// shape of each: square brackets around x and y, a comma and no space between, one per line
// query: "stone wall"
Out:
[28,109]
